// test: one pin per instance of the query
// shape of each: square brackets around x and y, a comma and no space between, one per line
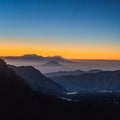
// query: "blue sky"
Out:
[62,20]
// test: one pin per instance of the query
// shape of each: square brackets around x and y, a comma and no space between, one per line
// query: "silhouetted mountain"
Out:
[38,81]
[19,102]
[37,58]
[25,57]
[67,73]
[10,82]
[32,57]
[59,59]
[105,80]
[15,95]
[52,64]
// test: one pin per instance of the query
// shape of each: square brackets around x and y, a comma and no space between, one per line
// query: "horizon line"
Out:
[59,56]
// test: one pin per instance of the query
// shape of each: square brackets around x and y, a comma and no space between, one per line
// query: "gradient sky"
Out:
[83,29]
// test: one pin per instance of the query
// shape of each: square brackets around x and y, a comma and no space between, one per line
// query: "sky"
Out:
[78,29]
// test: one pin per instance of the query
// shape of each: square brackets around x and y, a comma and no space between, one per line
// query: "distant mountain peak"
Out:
[33,55]
[52,63]
[57,56]
[37,58]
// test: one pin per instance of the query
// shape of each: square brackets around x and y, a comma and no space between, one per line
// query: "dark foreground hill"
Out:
[16,98]
[19,102]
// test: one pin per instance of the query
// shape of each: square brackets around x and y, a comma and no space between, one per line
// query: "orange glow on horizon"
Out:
[66,50]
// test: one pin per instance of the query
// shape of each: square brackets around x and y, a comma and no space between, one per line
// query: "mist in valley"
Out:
[84,65]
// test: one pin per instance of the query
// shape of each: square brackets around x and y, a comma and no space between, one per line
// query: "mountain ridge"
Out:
[38,81]
[37,58]
[104,80]
[74,72]
[18,101]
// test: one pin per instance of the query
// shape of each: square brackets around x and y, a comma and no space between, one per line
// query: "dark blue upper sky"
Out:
[88,20]
[60,18]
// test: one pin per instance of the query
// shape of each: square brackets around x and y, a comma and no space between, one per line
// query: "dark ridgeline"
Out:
[68,73]
[89,81]
[18,101]
[38,82]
